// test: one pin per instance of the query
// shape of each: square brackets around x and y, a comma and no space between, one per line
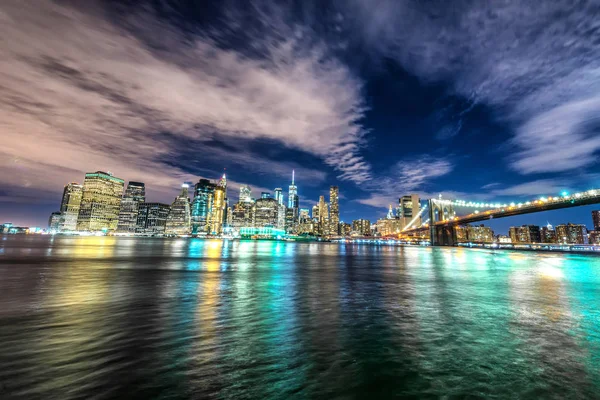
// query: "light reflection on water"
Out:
[112,317]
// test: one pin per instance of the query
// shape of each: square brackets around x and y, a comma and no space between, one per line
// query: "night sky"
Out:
[477,100]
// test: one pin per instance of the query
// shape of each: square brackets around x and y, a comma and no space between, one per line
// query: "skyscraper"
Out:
[100,202]
[217,209]
[408,208]
[201,206]
[134,195]
[69,207]
[571,233]
[54,221]
[245,194]
[179,221]
[265,195]
[334,211]
[152,218]
[323,217]
[242,215]
[293,197]
[279,195]
[266,213]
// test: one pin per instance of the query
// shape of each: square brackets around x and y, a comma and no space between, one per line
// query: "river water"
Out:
[104,317]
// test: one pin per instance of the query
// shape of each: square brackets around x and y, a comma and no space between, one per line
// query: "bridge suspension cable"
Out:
[415,218]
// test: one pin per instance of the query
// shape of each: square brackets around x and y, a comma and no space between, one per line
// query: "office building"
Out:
[152,218]
[291,221]
[69,207]
[304,215]
[361,227]
[128,213]
[408,208]
[55,220]
[179,220]
[266,213]
[571,234]
[281,214]
[323,214]
[245,194]
[100,202]
[265,195]
[334,211]
[548,234]
[480,234]
[345,229]
[279,195]
[242,215]
[218,206]
[201,206]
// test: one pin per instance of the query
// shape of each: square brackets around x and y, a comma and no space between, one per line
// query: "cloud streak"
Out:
[536,65]
[79,92]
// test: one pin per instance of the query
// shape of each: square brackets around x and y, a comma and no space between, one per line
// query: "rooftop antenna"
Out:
[293,176]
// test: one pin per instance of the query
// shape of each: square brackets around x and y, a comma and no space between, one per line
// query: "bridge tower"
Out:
[440,210]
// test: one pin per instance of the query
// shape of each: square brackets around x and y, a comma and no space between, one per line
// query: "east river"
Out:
[105,317]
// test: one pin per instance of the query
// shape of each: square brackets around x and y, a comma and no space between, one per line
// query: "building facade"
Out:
[217,215]
[69,207]
[179,220]
[201,205]
[571,234]
[334,211]
[128,213]
[266,213]
[100,202]
[152,218]
[408,208]
[361,227]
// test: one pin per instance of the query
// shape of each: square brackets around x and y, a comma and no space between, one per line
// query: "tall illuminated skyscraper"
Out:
[217,209]
[201,206]
[293,196]
[408,208]
[279,195]
[69,207]
[334,208]
[100,202]
[128,214]
[179,220]
[323,216]
[245,194]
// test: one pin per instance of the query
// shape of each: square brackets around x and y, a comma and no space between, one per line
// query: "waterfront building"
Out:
[323,216]
[201,205]
[408,208]
[504,239]
[290,220]
[128,213]
[179,220]
[265,213]
[530,234]
[513,233]
[334,211]
[345,229]
[480,234]
[594,237]
[152,218]
[361,227]
[245,194]
[218,206]
[279,195]
[69,206]
[265,232]
[242,215]
[571,233]
[228,216]
[388,227]
[281,209]
[461,233]
[55,220]
[100,202]
[548,234]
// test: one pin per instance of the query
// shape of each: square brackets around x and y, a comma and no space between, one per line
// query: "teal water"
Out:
[103,317]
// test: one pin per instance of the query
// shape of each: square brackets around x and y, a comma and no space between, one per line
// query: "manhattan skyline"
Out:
[501,106]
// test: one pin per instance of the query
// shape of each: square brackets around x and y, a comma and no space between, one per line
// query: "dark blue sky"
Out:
[477,101]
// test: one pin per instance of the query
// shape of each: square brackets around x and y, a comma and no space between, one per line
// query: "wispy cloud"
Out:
[536,64]
[79,92]
[405,177]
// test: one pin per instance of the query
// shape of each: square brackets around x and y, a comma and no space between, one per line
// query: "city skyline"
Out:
[348,99]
